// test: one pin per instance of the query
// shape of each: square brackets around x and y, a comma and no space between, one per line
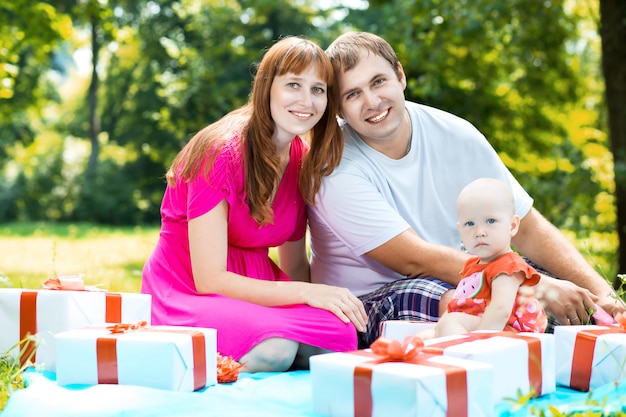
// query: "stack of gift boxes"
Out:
[89,336]
[465,375]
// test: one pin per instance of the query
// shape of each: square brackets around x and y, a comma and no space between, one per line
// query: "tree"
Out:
[613,33]
[31,31]
[511,69]
[30,47]
[177,69]
[102,19]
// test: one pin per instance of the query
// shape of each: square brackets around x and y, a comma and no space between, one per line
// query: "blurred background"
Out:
[97,96]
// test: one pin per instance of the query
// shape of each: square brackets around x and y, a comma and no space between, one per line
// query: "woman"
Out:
[238,188]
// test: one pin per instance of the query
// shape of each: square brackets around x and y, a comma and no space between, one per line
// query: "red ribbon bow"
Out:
[397,351]
[68,282]
[127,327]
[411,350]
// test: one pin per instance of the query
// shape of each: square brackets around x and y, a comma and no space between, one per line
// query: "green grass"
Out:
[109,257]
[11,370]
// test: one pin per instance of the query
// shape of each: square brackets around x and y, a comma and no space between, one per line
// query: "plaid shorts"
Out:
[405,299]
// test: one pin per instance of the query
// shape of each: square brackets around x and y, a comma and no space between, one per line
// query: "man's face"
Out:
[371,99]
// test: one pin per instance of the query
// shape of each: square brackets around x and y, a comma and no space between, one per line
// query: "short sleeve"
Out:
[509,264]
[205,192]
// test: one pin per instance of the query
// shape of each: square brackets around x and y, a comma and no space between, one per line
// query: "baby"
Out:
[495,292]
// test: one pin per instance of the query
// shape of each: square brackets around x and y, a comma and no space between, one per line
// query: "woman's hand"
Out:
[566,301]
[339,301]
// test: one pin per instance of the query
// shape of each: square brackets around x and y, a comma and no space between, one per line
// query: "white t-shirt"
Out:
[370,198]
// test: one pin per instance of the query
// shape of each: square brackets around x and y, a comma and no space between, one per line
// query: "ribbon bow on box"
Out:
[72,282]
[127,327]
[408,350]
[413,351]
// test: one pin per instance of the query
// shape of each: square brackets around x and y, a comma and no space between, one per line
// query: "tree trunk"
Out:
[613,33]
[94,120]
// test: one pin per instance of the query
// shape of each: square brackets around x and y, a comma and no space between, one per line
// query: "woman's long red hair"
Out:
[254,125]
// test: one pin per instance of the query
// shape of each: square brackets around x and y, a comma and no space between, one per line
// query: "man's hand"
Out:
[612,304]
[566,301]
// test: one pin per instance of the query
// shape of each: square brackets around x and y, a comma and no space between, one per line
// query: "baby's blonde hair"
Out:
[489,190]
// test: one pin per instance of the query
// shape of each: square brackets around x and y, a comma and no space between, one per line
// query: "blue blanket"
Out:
[286,394]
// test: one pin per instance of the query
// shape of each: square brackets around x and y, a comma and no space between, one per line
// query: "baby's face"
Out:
[486,231]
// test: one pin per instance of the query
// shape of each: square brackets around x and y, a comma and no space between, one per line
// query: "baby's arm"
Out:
[453,323]
[503,294]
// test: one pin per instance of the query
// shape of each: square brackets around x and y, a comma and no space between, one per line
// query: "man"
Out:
[384,223]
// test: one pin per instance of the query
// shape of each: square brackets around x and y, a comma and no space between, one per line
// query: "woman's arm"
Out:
[208,247]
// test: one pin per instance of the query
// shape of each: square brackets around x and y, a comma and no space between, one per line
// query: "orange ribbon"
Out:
[412,350]
[127,327]
[113,309]
[28,319]
[28,325]
[535,375]
[582,359]
[66,282]
[106,352]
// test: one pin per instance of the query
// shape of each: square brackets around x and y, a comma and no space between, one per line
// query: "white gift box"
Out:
[508,355]
[399,329]
[47,312]
[397,389]
[590,356]
[509,375]
[174,358]
[517,365]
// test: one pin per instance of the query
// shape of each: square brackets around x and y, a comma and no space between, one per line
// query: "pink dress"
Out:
[473,293]
[240,325]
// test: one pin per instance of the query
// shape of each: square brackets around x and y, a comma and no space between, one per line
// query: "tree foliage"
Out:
[503,66]
[181,66]
[31,33]
[520,70]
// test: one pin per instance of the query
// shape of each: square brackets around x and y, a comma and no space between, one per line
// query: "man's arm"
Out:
[543,244]
[410,255]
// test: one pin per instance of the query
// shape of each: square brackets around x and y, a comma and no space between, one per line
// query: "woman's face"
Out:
[297,103]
